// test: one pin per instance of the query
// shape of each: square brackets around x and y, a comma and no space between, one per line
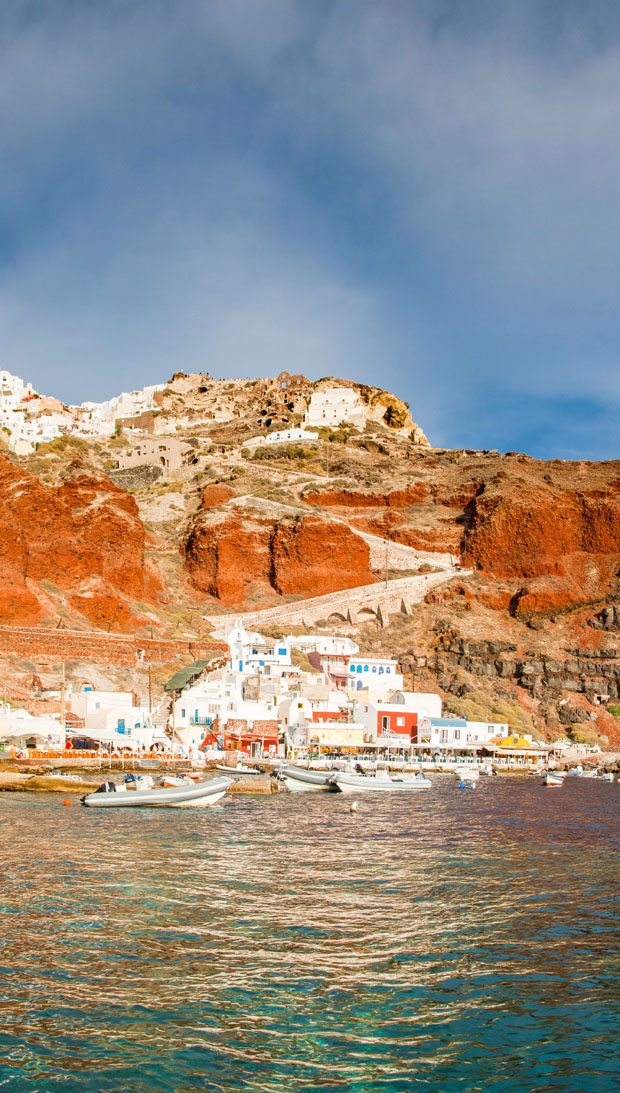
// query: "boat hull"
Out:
[301,781]
[553,779]
[351,783]
[467,774]
[186,796]
[239,772]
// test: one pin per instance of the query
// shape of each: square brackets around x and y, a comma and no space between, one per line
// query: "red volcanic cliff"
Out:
[563,543]
[237,556]
[552,529]
[84,536]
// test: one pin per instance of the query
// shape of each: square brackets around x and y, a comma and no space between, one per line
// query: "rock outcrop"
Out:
[84,537]
[236,556]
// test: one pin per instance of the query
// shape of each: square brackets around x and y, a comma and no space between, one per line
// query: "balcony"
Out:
[196,720]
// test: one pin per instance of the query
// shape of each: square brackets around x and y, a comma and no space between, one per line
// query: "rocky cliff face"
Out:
[84,537]
[237,557]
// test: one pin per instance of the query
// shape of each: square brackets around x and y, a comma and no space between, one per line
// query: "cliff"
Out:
[81,542]
[213,523]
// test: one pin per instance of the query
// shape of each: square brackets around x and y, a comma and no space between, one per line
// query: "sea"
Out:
[453,939]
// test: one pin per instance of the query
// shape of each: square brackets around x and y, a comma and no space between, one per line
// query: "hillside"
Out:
[186,511]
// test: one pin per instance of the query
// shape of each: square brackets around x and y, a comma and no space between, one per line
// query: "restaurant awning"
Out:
[184,676]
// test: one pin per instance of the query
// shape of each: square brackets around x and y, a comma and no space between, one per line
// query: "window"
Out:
[443,736]
[388,670]
[182,713]
[352,668]
[457,734]
[359,667]
[400,721]
[365,667]
[281,652]
[374,667]
[385,723]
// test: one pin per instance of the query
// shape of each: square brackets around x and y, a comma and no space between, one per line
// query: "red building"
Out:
[396,719]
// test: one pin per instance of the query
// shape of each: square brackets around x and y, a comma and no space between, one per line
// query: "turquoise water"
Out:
[454,941]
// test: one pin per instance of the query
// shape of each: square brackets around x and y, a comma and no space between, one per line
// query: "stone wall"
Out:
[355,605]
[42,645]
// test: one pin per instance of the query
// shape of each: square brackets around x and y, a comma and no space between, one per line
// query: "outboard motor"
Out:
[106,787]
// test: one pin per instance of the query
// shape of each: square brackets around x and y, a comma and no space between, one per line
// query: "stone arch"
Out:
[337,616]
[367,611]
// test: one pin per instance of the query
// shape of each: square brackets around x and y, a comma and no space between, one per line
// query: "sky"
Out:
[419,194]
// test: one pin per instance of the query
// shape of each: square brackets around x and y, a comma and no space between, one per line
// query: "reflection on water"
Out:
[459,940]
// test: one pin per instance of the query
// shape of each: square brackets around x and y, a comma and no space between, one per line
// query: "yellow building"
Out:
[332,734]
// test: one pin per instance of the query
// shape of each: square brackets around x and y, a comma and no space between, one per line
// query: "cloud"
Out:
[425,196]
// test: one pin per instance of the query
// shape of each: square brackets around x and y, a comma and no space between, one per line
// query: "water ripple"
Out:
[459,942]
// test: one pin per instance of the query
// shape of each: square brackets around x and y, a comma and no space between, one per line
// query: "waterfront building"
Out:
[114,716]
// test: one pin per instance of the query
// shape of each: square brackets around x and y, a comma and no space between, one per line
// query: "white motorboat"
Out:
[380,782]
[466,774]
[605,776]
[239,771]
[553,778]
[188,795]
[297,779]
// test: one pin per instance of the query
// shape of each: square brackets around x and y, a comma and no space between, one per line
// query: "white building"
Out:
[282,436]
[13,391]
[99,418]
[221,697]
[250,652]
[21,729]
[107,714]
[374,673]
[335,405]
[324,644]
[458,733]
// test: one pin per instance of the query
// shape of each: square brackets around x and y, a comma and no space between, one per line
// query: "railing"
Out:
[206,721]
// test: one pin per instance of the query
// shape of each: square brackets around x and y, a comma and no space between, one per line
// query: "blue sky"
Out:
[423,195]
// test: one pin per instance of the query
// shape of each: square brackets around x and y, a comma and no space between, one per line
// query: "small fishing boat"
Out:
[605,776]
[146,795]
[553,778]
[380,782]
[297,779]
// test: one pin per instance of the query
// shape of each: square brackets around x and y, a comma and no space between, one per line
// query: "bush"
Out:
[394,417]
[290,452]
[614,711]
[583,733]
[61,443]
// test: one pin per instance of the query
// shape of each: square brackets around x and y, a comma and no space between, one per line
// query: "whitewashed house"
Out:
[334,405]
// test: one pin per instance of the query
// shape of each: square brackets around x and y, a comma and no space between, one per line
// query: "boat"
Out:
[466,774]
[553,778]
[297,779]
[605,776]
[380,782]
[146,795]
[239,771]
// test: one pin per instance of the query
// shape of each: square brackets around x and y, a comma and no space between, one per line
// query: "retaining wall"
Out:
[44,646]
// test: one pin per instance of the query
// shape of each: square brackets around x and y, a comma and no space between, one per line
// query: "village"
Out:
[304,698]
